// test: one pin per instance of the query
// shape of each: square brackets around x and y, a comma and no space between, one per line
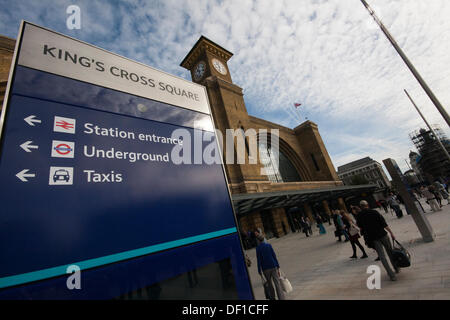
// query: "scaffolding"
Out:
[432,160]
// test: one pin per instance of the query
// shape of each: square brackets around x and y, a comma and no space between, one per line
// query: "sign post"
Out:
[91,177]
[421,221]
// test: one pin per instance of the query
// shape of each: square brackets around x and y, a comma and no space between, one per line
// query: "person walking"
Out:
[304,226]
[431,199]
[326,218]
[269,267]
[395,205]
[437,194]
[337,231]
[308,225]
[245,240]
[298,225]
[343,225]
[441,189]
[259,234]
[353,232]
[384,205]
[340,227]
[374,227]
[320,225]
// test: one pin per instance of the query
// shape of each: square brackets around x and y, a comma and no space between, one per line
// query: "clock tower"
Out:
[207,62]
[206,59]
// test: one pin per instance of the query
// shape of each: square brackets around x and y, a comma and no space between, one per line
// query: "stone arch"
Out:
[292,156]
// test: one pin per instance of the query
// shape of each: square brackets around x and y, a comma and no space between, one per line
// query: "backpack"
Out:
[401,256]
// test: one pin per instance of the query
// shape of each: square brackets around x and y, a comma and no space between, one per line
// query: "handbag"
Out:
[353,230]
[285,283]
[402,258]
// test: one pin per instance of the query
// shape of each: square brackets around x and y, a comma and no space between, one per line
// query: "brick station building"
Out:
[6,54]
[305,183]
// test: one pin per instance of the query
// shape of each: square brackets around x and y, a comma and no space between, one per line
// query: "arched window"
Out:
[284,171]
[242,130]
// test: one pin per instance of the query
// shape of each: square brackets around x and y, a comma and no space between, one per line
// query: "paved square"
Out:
[319,267]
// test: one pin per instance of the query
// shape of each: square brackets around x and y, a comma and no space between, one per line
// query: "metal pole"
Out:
[419,218]
[416,74]
[429,127]
[408,164]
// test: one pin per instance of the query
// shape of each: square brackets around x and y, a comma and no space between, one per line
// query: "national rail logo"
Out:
[65,125]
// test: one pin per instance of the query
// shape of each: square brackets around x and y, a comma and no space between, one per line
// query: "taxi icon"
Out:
[61,174]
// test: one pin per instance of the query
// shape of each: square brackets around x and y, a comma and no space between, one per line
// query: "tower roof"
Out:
[204,44]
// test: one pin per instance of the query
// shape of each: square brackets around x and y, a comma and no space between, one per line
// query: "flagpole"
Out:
[416,74]
[297,116]
[293,115]
[296,105]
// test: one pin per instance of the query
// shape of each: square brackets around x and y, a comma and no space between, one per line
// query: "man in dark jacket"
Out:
[268,264]
[373,227]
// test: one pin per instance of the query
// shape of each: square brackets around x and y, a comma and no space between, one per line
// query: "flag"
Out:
[297,105]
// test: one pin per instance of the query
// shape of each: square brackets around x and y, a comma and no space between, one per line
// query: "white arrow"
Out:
[22,175]
[31,119]
[27,146]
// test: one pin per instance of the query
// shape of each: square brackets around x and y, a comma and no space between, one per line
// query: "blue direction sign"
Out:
[89,179]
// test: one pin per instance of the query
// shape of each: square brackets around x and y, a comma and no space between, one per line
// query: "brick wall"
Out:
[6,54]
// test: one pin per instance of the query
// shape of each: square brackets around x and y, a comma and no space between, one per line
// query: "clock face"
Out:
[199,70]
[219,66]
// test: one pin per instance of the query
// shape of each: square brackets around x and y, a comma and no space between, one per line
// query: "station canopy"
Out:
[248,202]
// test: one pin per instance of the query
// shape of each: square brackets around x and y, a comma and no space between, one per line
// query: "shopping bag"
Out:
[285,283]
[354,230]
[401,256]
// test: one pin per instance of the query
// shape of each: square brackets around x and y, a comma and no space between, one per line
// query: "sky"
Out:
[330,56]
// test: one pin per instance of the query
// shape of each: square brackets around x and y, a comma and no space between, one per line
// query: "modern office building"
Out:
[362,171]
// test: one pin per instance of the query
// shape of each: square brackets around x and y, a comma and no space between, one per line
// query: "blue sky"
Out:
[328,55]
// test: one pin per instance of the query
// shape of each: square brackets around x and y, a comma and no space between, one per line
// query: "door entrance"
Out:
[268,224]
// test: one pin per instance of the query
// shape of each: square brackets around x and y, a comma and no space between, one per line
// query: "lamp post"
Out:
[416,74]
